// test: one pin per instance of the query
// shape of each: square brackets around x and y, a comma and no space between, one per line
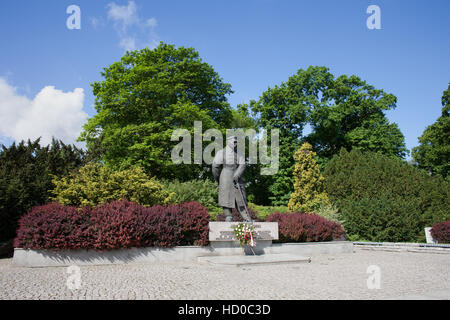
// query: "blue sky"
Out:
[252,44]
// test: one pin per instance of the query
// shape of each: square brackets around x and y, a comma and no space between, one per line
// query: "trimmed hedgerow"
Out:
[441,232]
[54,226]
[118,224]
[174,225]
[304,227]
[205,192]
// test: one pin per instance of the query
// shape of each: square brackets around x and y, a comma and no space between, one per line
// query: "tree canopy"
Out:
[343,112]
[433,152]
[146,96]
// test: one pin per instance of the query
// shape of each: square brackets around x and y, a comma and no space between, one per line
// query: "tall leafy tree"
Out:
[144,97]
[26,172]
[342,112]
[433,152]
[349,113]
[284,108]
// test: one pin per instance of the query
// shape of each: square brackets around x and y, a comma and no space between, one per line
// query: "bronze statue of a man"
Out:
[228,167]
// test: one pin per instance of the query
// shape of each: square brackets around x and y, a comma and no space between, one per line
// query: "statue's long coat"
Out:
[232,165]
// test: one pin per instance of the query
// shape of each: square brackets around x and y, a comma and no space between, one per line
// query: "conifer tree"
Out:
[309,193]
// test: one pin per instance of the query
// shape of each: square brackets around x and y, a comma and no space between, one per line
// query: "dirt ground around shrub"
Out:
[402,275]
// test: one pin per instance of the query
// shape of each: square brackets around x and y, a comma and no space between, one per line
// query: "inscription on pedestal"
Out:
[222,231]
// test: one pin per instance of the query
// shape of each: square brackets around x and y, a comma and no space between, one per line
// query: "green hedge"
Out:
[264,211]
[385,199]
[205,192]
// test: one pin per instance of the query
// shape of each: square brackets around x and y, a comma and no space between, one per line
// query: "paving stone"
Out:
[343,276]
[248,260]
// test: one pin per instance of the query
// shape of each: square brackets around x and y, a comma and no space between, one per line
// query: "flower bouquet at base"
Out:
[245,233]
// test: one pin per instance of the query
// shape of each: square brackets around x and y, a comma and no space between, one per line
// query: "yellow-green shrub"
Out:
[95,184]
[309,191]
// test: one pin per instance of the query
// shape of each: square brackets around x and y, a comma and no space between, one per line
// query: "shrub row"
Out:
[304,227]
[118,224]
[205,191]
[124,224]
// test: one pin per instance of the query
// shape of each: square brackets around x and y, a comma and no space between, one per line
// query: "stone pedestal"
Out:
[221,236]
[428,236]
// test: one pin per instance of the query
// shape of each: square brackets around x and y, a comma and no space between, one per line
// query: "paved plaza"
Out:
[402,275]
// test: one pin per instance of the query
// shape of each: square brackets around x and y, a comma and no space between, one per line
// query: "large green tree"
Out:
[282,107]
[144,97]
[346,112]
[433,153]
[342,112]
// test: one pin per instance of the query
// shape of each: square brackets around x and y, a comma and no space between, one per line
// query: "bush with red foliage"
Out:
[53,226]
[304,227]
[237,216]
[118,224]
[441,232]
[114,225]
[194,222]
[174,225]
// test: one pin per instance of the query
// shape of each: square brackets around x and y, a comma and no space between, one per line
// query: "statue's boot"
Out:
[244,214]
[228,214]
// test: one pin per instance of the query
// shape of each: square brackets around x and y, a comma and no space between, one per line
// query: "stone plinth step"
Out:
[248,260]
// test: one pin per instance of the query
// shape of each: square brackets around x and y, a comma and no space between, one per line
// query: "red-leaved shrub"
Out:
[303,227]
[53,226]
[194,220]
[118,224]
[113,225]
[174,225]
[441,232]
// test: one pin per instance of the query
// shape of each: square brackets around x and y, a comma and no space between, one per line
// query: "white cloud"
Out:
[51,113]
[128,43]
[152,22]
[124,15]
[125,18]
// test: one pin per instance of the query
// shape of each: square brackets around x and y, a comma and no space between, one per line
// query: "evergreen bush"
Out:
[382,198]
[205,191]
[26,173]
[309,194]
